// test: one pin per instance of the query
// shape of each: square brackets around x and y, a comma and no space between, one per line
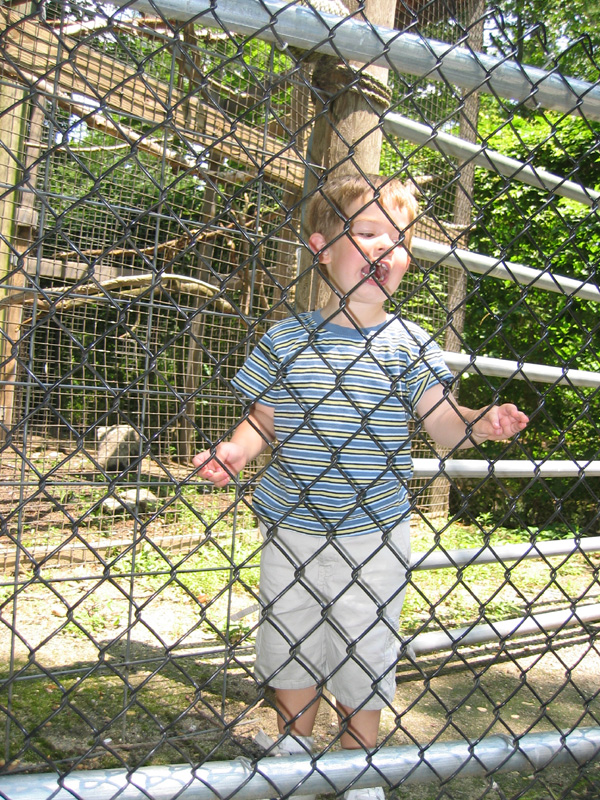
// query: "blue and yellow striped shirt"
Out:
[342,399]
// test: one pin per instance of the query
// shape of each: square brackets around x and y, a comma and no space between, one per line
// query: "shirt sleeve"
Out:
[257,379]
[427,370]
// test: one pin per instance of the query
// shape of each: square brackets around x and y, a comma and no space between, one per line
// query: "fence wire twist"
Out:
[154,169]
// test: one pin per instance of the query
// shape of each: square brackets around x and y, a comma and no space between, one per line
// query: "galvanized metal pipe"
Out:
[478,468]
[301,27]
[503,629]
[503,368]
[483,156]
[426,250]
[493,554]
[274,777]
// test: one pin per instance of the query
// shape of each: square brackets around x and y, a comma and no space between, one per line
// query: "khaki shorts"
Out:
[330,613]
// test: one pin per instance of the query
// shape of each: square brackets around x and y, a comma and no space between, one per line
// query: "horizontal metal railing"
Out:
[298,26]
[483,156]
[480,468]
[269,777]
[505,368]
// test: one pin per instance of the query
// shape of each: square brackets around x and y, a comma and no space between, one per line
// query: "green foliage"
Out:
[523,224]
[540,33]
[126,361]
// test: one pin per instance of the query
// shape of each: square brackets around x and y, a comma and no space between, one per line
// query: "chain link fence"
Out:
[154,164]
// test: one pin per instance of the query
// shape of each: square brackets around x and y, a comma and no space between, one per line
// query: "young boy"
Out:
[332,392]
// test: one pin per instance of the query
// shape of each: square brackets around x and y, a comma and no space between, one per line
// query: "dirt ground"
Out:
[90,711]
[93,680]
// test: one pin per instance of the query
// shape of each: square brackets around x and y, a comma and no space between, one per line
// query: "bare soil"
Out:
[95,680]
[97,712]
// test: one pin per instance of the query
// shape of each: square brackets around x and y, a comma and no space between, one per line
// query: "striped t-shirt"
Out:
[342,399]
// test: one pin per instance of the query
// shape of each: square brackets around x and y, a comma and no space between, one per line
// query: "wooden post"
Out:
[457,279]
[463,203]
[346,137]
[13,237]
[186,435]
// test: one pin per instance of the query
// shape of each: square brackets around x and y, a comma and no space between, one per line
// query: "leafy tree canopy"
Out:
[542,34]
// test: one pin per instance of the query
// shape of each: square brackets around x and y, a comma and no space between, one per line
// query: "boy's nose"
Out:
[384,242]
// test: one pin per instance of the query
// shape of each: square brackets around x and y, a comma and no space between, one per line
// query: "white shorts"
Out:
[330,613]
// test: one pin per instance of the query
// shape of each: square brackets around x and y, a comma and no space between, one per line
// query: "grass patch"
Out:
[147,662]
[455,597]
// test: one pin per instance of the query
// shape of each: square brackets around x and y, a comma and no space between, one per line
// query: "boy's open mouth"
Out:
[378,272]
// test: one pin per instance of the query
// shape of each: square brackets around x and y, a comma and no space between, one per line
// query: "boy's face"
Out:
[368,263]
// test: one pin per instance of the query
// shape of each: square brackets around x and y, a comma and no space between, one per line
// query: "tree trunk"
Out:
[18,220]
[346,137]
[463,203]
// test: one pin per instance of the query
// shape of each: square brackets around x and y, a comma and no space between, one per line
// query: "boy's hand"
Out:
[251,436]
[499,422]
[228,460]
[447,422]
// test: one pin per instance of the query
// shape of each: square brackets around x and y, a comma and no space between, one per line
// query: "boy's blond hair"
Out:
[327,207]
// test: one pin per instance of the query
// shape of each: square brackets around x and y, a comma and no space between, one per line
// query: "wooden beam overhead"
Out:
[34,55]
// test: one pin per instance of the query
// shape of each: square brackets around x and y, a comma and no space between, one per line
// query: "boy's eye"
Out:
[366,232]
[394,238]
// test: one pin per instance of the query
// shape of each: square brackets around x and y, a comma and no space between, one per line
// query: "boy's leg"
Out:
[378,582]
[369,579]
[358,728]
[289,648]
[297,710]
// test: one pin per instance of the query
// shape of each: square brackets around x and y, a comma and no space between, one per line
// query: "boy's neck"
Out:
[361,315]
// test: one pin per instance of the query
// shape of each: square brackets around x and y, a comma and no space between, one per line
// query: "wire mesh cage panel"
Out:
[155,173]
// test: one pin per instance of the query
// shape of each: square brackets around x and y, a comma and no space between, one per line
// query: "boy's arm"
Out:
[455,426]
[253,435]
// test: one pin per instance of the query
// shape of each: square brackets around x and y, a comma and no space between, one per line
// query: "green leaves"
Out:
[559,236]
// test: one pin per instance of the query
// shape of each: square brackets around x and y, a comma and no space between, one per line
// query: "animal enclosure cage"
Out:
[153,174]
[163,261]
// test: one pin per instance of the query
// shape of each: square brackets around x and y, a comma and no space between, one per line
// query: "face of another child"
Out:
[368,263]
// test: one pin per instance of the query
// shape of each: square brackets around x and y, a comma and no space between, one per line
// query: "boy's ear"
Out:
[318,244]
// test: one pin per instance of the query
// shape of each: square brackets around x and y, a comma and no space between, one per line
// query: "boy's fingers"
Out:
[517,417]
[216,475]
[202,459]
[493,417]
